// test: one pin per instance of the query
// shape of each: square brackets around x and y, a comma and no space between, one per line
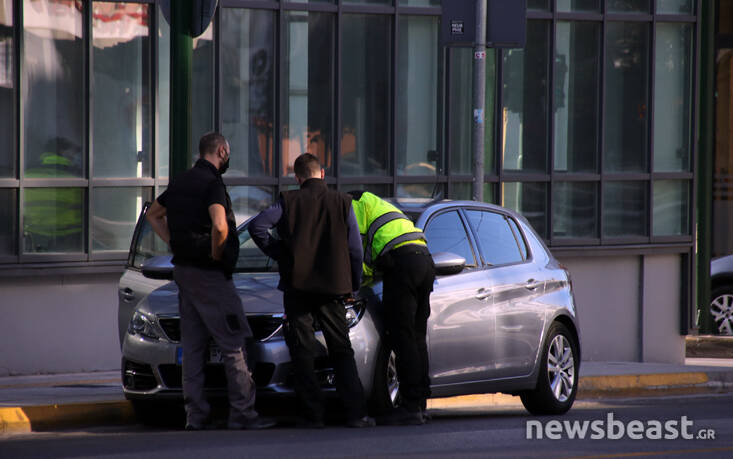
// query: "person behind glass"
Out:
[194,216]
[319,258]
[396,248]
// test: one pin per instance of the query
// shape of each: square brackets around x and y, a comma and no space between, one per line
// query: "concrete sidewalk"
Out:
[52,402]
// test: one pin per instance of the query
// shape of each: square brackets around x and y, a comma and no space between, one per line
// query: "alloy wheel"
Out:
[561,368]
[721,309]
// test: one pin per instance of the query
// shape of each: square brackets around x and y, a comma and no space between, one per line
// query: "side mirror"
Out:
[447,263]
[159,267]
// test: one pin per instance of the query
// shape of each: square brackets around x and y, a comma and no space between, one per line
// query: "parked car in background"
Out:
[721,294]
[503,317]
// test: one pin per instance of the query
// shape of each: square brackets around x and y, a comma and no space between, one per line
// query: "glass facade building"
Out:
[590,127]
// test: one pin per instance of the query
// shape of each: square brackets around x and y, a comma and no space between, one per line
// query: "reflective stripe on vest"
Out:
[378,223]
[413,236]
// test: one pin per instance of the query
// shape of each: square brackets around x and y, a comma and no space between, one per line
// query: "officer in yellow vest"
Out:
[394,247]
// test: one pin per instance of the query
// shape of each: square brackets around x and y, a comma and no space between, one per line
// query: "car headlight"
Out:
[143,325]
[354,311]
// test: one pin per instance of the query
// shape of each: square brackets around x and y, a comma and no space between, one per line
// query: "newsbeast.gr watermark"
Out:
[614,429]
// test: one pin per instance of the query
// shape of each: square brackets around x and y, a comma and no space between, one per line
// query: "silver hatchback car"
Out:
[503,317]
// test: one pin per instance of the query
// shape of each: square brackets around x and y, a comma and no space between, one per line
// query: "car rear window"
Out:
[497,243]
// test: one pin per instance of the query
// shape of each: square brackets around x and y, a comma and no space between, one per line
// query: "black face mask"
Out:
[224,166]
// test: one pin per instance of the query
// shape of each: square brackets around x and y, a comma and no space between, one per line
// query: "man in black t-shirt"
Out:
[194,216]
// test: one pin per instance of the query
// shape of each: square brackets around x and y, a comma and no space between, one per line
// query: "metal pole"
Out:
[479,101]
[180,101]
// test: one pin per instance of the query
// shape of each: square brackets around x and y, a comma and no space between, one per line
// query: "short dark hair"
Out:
[306,166]
[210,142]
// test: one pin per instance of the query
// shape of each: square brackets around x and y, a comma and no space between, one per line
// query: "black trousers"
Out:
[300,310]
[408,276]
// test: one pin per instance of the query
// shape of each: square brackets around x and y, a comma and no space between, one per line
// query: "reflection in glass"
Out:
[671,207]
[307,107]
[121,102]
[674,7]
[202,90]
[579,5]
[672,97]
[365,105]
[53,76]
[417,97]
[625,209]
[164,94]
[525,105]
[248,201]
[8,221]
[628,6]
[378,2]
[464,191]
[542,5]
[7,85]
[574,210]
[421,190]
[383,191]
[725,17]
[114,216]
[248,77]
[530,200]
[461,120]
[576,96]
[627,97]
[723,162]
[53,220]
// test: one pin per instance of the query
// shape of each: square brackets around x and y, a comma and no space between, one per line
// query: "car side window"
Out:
[520,238]
[496,239]
[446,233]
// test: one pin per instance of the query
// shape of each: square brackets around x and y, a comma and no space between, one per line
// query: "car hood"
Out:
[258,292]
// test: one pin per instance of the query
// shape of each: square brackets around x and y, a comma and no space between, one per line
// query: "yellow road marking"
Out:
[14,420]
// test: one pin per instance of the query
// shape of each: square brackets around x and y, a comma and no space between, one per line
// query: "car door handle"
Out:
[127,295]
[483,293]
[532,284]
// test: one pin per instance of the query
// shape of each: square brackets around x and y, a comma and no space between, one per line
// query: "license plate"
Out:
[214,354]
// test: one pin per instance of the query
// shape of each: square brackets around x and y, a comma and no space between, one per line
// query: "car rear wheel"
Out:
[385,386]
[557,383]
[721,308]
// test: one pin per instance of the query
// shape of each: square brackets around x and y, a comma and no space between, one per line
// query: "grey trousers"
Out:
[211,308]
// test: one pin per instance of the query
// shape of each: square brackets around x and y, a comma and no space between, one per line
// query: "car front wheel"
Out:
[385,386]
[557,383]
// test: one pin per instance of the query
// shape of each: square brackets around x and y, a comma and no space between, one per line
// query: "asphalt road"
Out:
[646,428]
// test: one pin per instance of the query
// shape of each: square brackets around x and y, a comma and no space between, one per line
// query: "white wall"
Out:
[58,324]
[620,322]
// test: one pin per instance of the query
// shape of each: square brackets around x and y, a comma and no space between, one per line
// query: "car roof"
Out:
[415,207]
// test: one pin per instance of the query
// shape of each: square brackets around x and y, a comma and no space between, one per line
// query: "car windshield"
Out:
[251,259]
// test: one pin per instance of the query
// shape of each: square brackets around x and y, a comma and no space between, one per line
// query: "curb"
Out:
[28,419]
[709,346]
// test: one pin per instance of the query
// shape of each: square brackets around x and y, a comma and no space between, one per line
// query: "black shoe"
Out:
[401,417]
[257,423]
[194,426]
[305,423]
[357,423]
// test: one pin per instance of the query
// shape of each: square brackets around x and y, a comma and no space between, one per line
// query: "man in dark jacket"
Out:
[194,216]
[319,257]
